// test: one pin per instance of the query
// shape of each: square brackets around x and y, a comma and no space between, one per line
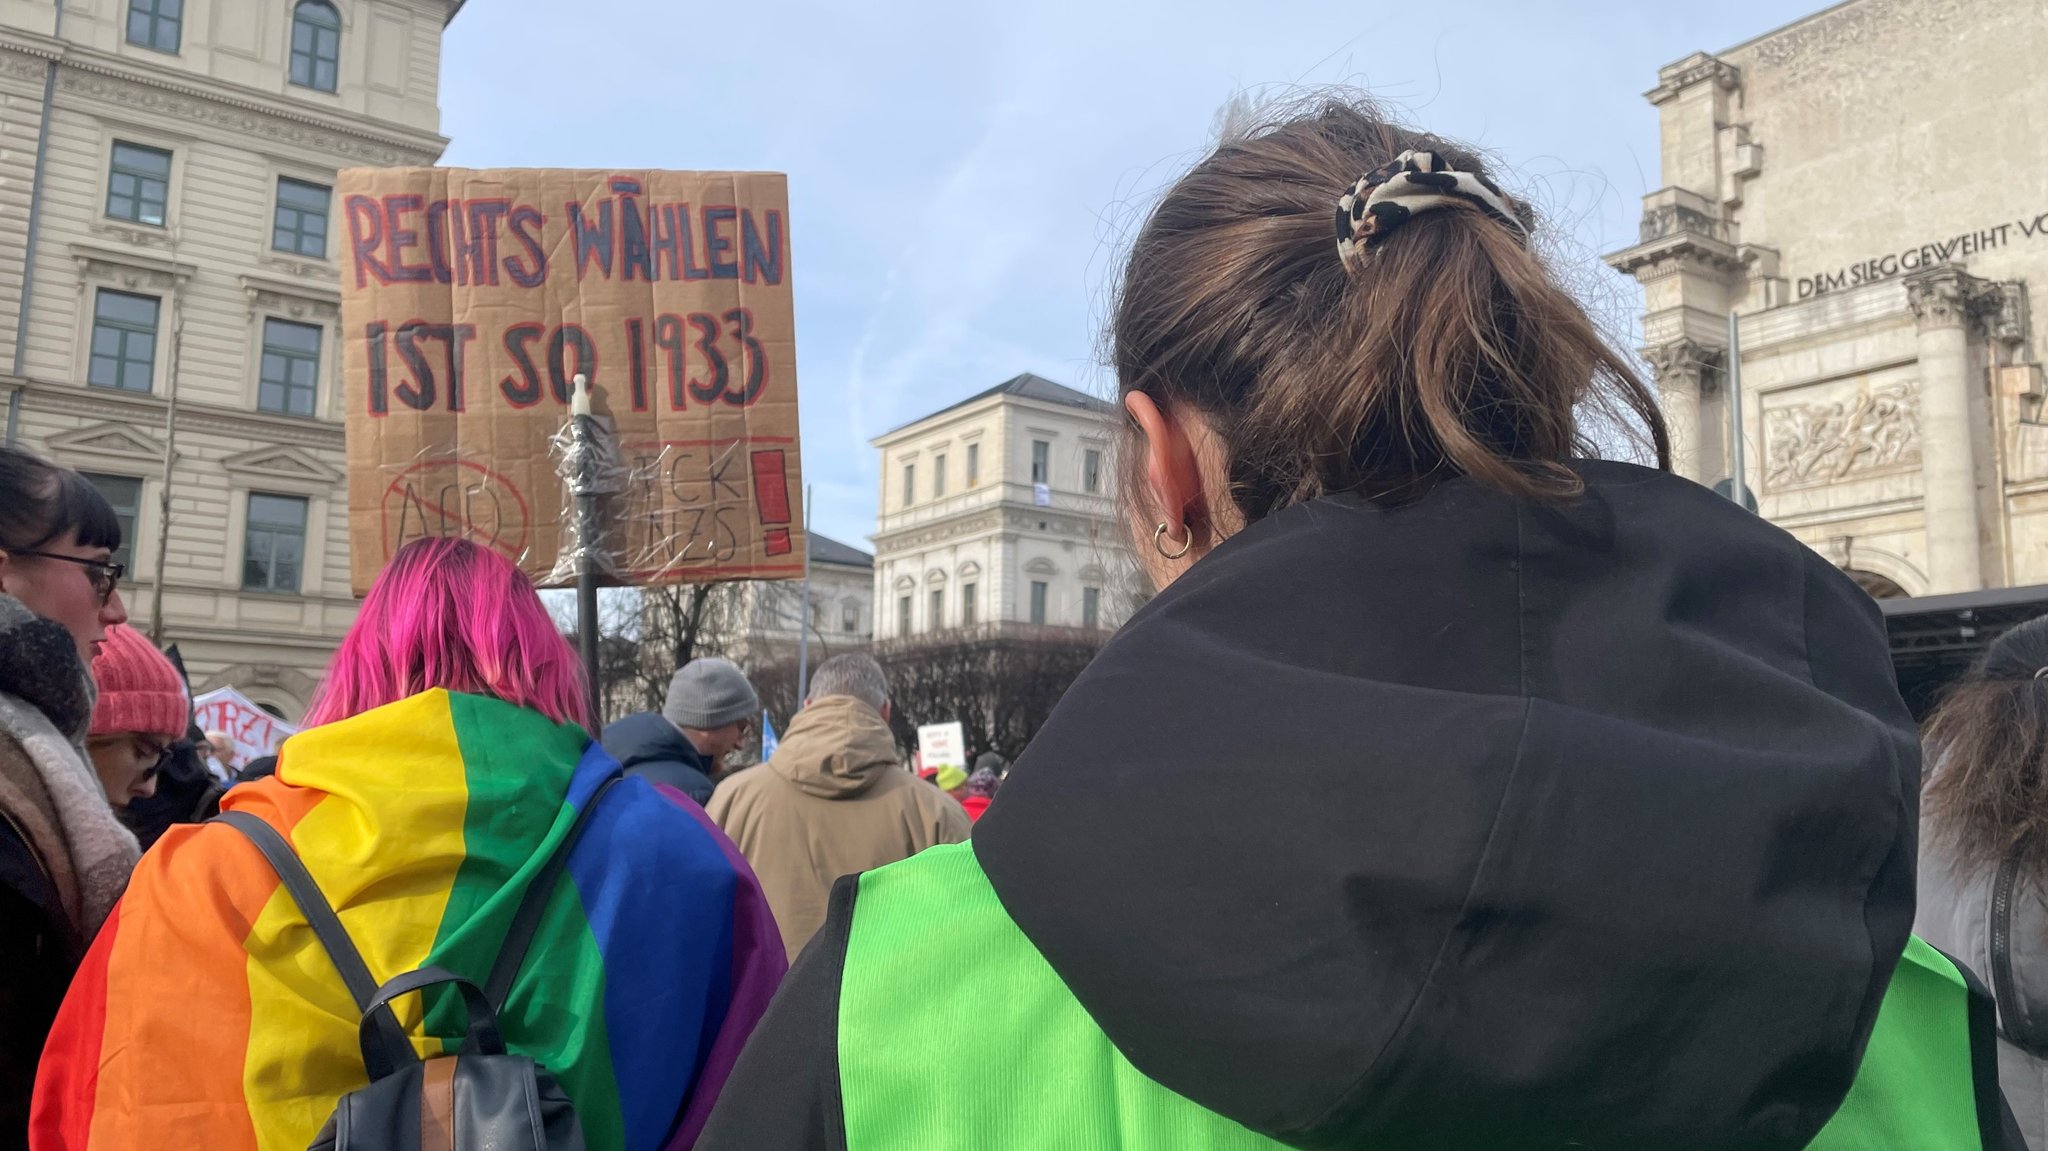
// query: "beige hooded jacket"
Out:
[833,800]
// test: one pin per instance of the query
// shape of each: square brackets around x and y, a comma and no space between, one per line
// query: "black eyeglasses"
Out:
[105,574]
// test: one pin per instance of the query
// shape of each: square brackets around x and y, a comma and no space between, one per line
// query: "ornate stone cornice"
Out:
[945,531]
[104,79]
[1698,68]
[102,404]
[1945,296]
[1677,252]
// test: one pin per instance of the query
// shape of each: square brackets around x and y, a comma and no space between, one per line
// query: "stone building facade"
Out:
[841,616]
[1867,189]
[167,246]
[998,511]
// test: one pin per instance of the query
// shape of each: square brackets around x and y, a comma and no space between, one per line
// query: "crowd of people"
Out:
[1459,789]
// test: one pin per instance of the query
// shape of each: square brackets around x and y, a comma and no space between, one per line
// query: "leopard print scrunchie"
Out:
[1413,182]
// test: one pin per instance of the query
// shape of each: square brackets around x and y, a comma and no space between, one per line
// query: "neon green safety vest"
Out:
[1063,1086]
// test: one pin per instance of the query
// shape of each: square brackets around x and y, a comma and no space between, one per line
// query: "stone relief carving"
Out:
[1877,429]
[26,67]
[2005,314]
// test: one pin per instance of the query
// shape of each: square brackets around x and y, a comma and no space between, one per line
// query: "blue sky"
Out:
[963,176]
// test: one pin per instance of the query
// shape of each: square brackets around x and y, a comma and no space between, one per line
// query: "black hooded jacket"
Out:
[647,744]
[1589,826]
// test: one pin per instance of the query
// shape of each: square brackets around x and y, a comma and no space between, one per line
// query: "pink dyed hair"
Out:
[452,614]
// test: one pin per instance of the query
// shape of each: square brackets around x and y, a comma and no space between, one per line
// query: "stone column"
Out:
[1681,371]
[1943,300]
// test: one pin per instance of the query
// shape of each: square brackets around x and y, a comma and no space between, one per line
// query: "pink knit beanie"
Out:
[140,690]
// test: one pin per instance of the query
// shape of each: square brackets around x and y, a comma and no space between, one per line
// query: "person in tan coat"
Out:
[833,799]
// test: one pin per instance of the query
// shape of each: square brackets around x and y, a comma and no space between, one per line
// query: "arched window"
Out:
[1878,586]
[316,44]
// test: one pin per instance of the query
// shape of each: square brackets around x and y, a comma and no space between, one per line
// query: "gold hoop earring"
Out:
[1159,535]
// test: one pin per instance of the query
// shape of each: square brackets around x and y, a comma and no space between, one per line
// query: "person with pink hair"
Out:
[446,757]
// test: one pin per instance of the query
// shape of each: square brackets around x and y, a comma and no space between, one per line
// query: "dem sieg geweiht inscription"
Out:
[1927,255]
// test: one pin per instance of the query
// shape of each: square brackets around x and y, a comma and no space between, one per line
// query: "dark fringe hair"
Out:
[40,502]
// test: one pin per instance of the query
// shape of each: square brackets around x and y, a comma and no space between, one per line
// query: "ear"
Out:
[1172,479]
[885,711]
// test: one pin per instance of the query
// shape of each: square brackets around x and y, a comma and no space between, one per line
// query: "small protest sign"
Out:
[941,745]
[255,732]
[471,300]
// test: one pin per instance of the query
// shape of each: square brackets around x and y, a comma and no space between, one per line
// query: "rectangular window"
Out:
[123,341]
[1091,607]
[937,618]
[291,368]
[967,604]
[274,544]
[155,23]
[138,183]
[1091,472]
[973,465]
[1041,462]
[903,617]
[849,617]
[316,45]
[909,484]
[939,476]
[300,224]
[1038,591]
[125,493]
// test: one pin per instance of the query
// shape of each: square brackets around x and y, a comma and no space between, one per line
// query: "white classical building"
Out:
[169,290]
[998,511]
[841,616]
[1868,189]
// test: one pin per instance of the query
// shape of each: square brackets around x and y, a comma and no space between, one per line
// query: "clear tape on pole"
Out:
[586,456]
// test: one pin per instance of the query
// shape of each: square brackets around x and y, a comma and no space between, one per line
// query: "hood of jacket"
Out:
[835,748]
[648,744]
[1471,823]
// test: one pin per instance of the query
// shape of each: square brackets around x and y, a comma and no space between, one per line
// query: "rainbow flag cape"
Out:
[207,1015]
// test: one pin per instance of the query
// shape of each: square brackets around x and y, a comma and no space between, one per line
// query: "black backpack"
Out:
[480,1099]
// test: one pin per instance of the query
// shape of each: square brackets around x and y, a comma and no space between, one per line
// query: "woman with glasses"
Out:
[64,856]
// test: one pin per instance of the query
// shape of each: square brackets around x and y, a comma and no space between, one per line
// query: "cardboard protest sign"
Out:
[472,299]
[255,732]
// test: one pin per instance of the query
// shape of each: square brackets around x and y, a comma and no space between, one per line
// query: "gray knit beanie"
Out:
[710,693]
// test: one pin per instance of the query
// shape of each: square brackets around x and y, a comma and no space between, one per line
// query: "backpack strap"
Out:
[326,925]
[484,1036]
[2013,1021]
[526,920]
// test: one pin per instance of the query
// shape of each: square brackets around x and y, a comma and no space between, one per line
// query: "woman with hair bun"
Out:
[1494,795]
[447,754]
